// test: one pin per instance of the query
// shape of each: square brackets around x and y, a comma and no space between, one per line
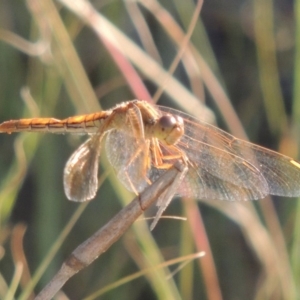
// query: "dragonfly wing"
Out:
[212,175]
[128,156]
[222,171]
[281,173]
[81,171]
[202,184]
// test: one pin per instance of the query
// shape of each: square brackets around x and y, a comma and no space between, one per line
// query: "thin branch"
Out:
[100,241]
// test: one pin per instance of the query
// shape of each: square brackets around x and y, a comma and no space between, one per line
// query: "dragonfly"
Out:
[143,141]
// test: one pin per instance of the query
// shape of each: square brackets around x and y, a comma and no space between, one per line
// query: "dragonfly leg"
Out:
[159,158]
[165,199]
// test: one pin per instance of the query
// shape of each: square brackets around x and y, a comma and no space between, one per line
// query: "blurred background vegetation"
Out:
[60,60]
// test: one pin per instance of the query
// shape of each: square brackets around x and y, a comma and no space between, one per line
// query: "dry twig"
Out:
[100,241]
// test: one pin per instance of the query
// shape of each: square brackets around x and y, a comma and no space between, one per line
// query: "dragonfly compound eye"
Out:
[169,129]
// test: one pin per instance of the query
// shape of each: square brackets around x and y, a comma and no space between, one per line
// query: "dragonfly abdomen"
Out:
[78,124]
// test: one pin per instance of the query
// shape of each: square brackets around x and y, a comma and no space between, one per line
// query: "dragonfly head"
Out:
[169,129]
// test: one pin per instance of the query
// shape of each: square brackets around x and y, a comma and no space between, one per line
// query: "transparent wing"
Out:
[205,184]
[237,180]
[81,171]
[129,157]
[198,182]
[222,162]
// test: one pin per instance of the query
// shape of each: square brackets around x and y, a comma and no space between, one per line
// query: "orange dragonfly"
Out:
[143,141]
